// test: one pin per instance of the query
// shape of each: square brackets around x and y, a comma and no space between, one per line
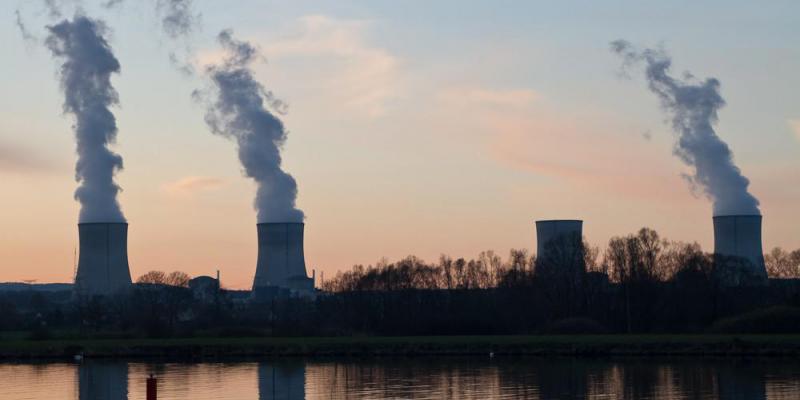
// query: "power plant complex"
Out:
[103,262]
[239,108]
[280,266]
[738,253]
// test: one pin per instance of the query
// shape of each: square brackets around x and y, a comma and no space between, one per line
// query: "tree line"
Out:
[640,283]
[635,257]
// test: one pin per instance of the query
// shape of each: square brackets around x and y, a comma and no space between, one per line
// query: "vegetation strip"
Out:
[585,345]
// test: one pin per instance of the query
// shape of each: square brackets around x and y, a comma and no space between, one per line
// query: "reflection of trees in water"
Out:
[741,381]
[648,379]
[557,378]
[782,383]
[404,379]
[103,380]
[685,379]
[563,379]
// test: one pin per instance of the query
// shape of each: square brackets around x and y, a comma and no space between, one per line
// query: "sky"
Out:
[421,128]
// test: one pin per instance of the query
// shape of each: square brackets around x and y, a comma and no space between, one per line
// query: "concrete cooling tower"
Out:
[103,261]
[737,243]
[559,242]
[281,262]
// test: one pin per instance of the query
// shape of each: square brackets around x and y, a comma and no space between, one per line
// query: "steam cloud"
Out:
[88,63]
[239,112]
[23,29]
[693,107]
[178,22]
[111,3]
[178,19]
[52,8]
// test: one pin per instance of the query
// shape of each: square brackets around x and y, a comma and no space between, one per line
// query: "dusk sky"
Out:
[421,128]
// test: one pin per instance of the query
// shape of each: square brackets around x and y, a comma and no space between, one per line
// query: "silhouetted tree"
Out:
[561,275]
[643,283]
[633,260]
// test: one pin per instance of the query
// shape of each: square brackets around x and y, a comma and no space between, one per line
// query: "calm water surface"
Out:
[498,378]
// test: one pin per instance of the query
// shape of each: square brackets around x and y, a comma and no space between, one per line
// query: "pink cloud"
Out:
[192,184]
[794,125]
[608,158]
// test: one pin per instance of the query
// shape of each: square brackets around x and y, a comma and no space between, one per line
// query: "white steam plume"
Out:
[87,65]
[239,111]
[693,107]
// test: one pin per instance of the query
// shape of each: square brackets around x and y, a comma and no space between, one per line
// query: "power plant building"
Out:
[103,260]
[560,243]
[737,249]
[281,261]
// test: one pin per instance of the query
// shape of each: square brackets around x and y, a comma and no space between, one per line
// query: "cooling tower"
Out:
[559,242]
[737,242]
[103,261]
[281,262]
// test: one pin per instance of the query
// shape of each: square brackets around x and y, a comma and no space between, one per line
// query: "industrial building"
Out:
[281,264]
[103,260]
[559,243]
[738,253]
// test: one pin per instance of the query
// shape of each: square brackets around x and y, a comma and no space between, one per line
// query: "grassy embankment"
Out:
[575,345]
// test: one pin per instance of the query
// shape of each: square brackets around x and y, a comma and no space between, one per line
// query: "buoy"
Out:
[152,388]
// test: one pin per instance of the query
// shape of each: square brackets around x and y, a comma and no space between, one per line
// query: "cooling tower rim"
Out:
[558,220]
[102,223]
[759,216]
[280,223]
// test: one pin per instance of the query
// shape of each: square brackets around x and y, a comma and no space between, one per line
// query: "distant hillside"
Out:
[39,287]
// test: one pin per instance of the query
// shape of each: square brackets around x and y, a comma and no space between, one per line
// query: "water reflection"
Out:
[561,378]
[737,383]
[281,381]
[103,380]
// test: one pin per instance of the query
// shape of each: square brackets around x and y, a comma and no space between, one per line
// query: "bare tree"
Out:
[590,255]
[446,265]
[175,278]
[153,277]
[782,264]
[495,268]
[634,260]
[178,278]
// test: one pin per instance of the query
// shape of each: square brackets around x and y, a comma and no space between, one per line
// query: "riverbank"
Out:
[562,345]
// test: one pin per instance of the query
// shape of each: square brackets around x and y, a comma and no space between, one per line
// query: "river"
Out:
[418,378]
